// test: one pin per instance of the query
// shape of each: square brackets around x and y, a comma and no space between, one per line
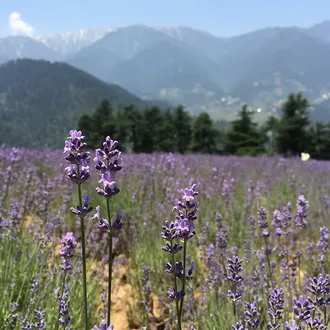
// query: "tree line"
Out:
[176,130]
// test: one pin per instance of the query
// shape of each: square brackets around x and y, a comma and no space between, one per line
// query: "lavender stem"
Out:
[83,252]
[110,265]
[59,307]
[176,290]
[183,279]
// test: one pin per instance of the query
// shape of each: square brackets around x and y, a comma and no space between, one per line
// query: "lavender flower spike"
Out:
[103,223]
[182,229]
[78,158]
[78,173]
[68,245]
[108,162]
[103,326]
[301,217]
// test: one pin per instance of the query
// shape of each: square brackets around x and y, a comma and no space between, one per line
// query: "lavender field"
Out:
[249,251]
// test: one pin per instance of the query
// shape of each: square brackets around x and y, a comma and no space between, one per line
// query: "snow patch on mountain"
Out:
[71,42]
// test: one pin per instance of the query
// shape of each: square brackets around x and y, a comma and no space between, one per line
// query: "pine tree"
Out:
[269,130]
[203,135]
[164,133]
[292,135]
[151,119]
[85,125]
[182,129]
[244,138]
[102,124]
[320,141]
[132,124]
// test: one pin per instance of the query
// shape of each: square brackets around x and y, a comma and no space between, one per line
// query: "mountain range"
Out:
[193,67]
[41,101]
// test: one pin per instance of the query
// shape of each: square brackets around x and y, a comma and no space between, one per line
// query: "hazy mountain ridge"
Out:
[71,42]
[15,47]
[203,71]
[41,101]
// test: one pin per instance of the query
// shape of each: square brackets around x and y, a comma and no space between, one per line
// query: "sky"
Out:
[222,18]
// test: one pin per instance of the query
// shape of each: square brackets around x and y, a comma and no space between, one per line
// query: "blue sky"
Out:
[223,18]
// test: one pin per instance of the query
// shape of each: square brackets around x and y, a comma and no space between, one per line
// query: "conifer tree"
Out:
[244,138]
[182,122]
[203,135]
[165,134]
[292,135]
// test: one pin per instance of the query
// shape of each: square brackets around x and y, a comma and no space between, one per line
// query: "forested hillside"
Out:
[40,101]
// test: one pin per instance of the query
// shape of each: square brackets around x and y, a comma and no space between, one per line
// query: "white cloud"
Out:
[18,26]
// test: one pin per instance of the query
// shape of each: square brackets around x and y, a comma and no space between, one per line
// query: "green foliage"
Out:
[204,135]
[244,138]
[153,130]
[139,131]
[320,141]
[182,129]
[292,134]
[165,132]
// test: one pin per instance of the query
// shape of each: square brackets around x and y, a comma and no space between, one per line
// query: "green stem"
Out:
[176,289]
[83,252]
[234,310]
[268,262]
[183,278]
[299,280]
[110,264]
[290,287]
[59,308]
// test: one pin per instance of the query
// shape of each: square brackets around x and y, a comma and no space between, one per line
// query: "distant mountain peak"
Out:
[321,31]
[70,42]
[13,47]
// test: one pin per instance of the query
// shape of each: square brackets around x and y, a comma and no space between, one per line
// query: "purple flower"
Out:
[177,269]
[40,322]
[188,194]
[84,210]
[108,162]
[103,223]
[146,289]
[172,248]
[292,325]
[251,315]
[320,288]
[189,276]
[13,315]
[301,216]
[15,215]
[238,326]
[64,306]
[78,158]
[175,295]
[277,222]
[303,307]
[316,323]
[234,269]
[323,243]
[169,231]
[276,306]
[117,224]
[262,222]
[103,326]
[234,275]
[186,214]
[68,245]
